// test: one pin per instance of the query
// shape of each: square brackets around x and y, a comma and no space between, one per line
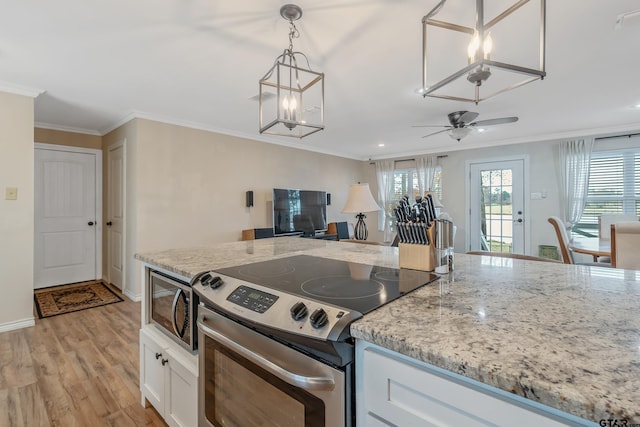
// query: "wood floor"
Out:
[76,369]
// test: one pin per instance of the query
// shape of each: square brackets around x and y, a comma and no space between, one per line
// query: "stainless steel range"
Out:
[274,341]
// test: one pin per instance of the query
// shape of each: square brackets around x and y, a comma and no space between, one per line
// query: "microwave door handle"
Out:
[297,380]
[174,311]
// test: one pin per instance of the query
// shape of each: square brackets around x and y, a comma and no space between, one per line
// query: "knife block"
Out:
[418,257]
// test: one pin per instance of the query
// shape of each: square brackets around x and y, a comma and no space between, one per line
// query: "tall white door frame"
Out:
[116,219]
[98,193]
[526,202]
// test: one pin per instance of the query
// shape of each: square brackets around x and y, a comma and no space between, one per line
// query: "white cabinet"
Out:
[394,390]
[168,378]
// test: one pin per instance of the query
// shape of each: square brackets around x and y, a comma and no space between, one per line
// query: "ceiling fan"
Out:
[462,122]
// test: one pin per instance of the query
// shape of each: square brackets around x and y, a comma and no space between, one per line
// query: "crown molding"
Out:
[208,128]
[50,126]
[20,90]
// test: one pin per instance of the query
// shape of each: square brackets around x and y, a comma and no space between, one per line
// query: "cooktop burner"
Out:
[354,286]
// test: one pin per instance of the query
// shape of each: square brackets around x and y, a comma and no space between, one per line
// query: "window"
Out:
[614,188]
[405,183]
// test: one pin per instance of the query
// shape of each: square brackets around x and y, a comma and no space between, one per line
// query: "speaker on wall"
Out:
[249,199]
[328,198]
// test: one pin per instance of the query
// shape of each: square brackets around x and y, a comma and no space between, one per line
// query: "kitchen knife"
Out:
[401,234]
[432,209]
[425,234]
[414,234]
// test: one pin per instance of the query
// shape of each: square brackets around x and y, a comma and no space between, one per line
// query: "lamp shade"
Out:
[360,200]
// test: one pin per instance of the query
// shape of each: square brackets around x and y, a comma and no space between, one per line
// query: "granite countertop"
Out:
[565,336]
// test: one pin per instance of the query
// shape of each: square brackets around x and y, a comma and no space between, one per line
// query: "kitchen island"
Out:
[567,337]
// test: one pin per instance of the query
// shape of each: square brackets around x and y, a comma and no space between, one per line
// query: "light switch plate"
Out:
[11,193]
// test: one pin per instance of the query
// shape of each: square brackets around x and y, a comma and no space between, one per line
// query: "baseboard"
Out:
[132,296]
[18,324]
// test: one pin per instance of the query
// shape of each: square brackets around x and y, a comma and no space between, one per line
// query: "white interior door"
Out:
[497,206]
[115,214]
[65,228]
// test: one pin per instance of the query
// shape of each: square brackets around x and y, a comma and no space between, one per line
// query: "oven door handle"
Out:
[298,380]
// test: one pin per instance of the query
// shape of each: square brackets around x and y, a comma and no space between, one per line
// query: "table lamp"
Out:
[360,200]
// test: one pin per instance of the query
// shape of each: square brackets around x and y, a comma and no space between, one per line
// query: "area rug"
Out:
[69,298]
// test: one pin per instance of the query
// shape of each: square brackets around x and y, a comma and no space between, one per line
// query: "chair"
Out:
[513,256]
[604,228]
[605,221]
[563,239]
[625,245]
[257,233]
[340,229]
[304,223]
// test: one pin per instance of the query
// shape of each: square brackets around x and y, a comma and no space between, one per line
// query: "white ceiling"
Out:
[198,62]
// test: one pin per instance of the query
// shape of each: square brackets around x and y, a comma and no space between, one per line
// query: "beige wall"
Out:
[189,185]
[16,216]
[72,139]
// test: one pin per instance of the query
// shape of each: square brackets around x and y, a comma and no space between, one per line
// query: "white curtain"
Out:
[384,173]
[575,156]
[425,169]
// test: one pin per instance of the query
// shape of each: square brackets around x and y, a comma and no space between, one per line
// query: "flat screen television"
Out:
[299,211]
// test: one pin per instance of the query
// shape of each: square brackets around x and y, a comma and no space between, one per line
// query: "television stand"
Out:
[321,236]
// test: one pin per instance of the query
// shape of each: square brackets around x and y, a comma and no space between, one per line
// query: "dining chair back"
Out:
[563,239]
[605,221]
[625,245]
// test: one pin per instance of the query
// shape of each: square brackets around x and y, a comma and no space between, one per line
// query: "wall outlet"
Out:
[11,193]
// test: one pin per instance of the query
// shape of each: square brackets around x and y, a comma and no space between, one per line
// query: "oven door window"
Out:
[240,393]
[170,309]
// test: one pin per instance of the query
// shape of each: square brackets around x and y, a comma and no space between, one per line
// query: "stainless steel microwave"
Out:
[172,306]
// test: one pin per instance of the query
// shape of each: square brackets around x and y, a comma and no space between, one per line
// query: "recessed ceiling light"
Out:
[637,106]
[381,145]
[481,129]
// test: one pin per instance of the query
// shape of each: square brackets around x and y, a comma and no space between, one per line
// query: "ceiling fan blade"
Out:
[435,133]
[468,117]
[431,126]
[491,122]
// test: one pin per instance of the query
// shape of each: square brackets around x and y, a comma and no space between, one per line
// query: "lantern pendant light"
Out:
[291,95]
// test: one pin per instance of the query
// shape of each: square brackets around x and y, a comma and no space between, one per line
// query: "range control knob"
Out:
[205,279]
[318,318]
[298,311]
[216,282]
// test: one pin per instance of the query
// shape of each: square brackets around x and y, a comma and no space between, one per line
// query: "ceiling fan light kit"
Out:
[291,95]
[479,50]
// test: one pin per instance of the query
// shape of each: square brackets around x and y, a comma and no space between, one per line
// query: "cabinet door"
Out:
[409,394]
[152,373]
[181,392]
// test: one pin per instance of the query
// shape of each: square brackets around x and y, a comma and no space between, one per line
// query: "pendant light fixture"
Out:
[481,68]
[291,95]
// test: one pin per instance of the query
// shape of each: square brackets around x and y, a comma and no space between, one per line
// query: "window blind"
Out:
[614,182]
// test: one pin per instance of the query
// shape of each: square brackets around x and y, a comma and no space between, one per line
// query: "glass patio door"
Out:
[496,208]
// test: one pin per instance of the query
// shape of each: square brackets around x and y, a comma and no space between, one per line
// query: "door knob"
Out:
[517,220]
[90,223]
[109,223]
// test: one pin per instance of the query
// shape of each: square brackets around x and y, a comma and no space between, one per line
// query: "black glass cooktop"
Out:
[349,285]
